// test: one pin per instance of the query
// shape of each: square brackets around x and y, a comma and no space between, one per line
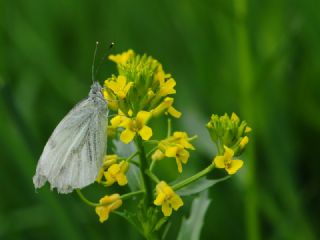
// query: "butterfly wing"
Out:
[74,153]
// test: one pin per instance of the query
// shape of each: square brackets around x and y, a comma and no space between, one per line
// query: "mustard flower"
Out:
[122,58]
[166,106]
[244,141]
[117,173]
[135,126]
[167,87]
[110,203]
[107,162]
[179,153]
[226,161]
[167,199]
[120,87]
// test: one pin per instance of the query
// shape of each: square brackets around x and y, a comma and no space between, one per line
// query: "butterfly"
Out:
[74,153]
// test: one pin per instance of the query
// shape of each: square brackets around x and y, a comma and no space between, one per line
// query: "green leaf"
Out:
[191,227]
[199,186]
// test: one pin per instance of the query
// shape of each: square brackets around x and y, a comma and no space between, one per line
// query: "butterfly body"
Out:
[74,153]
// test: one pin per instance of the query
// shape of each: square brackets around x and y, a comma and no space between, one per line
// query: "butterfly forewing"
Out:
[73,154]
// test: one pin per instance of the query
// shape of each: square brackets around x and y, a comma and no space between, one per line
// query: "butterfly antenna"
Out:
[93,62]
[104,57]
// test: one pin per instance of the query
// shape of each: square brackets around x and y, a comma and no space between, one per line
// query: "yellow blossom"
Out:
[166,105]
[167,199]
[117,173]
[226,161]
[167,87]
[182,139]
[107,162]
[118,120]
[122,58]
[120,87]
[135,126]
[112,102]
[179,153]
[110,203]
[244,141]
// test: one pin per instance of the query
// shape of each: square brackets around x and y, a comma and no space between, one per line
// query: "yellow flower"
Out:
[120,87]
[112,102]
[110,203]
[137,125]
[244,141]
[182,139]
[118,120]
[167,199]
[226,161]
[167,87]
[179,153]
[122,58]
[166,105]
[107,162]
[117,173]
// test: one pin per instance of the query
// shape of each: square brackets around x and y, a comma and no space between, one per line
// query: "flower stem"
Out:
[169,128]
[143,168]
[193,178]
[152,176]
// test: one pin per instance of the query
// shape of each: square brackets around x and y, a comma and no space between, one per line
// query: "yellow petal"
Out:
[171,151]
[100,175]
[183,155]
[234,166]
[219,161]
[244,142]
[157,155]
[143,117]
[159,199]
[110,179]
[228,153]
[121,179]
[166,209]
[179,165]
[103,213]
[121,80]
[174,112]
[145,133]
[176,202]
[127,136]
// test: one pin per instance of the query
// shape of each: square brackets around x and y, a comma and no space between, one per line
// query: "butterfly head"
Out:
[96,90]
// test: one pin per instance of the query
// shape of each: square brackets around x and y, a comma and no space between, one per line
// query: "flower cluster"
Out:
[140,92]
[175,146]
[229,135]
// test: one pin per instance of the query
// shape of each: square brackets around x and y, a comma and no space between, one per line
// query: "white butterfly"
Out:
[74,153]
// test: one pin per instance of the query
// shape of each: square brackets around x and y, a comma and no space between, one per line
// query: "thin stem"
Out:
[152,141]
[143,168]
[129,195]
[169,128]
[151,151]
[152,176]
[153,163]
[85,200]
[193,178]
[92,204]
[132,156]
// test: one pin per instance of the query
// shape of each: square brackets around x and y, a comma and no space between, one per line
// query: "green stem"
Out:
[143,167]
[153,163]
[132,156]
[193,178]
[92,204]
[152,176]
[169,128]
[151,151]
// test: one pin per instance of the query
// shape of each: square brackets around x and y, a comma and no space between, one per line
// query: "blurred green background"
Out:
[260,59]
